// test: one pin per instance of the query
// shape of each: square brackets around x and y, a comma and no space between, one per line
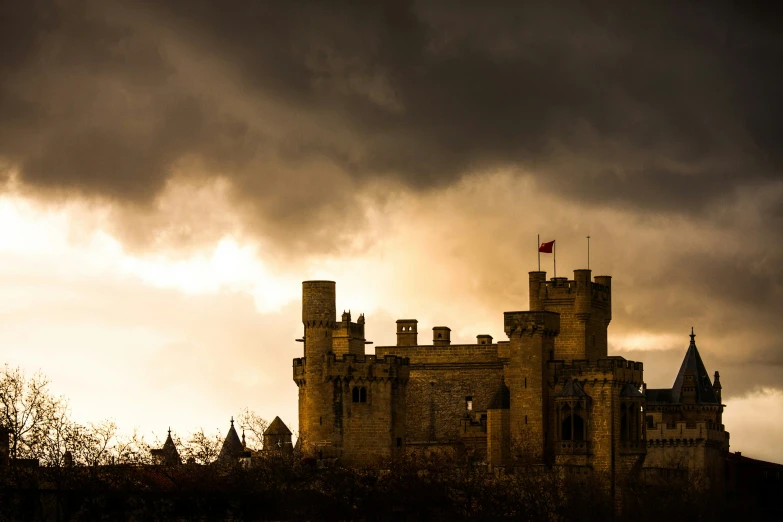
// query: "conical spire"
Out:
[232,446]
[168,454]
[692,364]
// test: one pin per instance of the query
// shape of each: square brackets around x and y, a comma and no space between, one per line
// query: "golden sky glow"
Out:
[171,173]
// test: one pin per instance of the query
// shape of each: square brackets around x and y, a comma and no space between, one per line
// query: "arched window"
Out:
[359,394]
[579,423]
[565,424]
[573,425]
[623,422]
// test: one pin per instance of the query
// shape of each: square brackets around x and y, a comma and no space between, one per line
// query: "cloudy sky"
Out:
[172,171]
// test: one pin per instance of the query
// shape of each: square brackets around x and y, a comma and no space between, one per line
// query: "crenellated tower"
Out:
[531,336]
[316,414]
[585,309]
[351,405]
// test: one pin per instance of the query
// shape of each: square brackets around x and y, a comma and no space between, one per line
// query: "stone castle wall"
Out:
[441,378]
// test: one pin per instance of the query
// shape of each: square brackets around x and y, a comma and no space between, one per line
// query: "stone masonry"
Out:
[549,393]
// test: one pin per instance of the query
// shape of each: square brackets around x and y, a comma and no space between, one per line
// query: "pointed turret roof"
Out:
[572,389]
[232,446]
[168,454]
[629,390]
[502,398]
[692,364]
[277,427]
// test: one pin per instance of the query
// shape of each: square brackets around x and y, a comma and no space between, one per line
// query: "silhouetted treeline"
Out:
[284,487]
[92,473]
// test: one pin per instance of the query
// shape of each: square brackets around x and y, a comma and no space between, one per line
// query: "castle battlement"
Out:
[612,368]
[564,288]
[686,432]
[351,366]
[455,353]
[587,293]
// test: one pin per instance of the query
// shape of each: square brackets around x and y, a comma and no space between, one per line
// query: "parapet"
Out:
[681,431]
[351,366]
[585,294]
[544,323]
[611,368]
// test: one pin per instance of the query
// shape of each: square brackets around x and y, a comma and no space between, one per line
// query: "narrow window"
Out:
[399,442]
[469,403]
[362,394]
[623,423]
[355,394]
[525,419]
[321,421]
[579,428]
[566,431]
[525,382]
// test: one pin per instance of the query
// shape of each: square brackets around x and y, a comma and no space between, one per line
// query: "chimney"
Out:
[406,332]
[441,336]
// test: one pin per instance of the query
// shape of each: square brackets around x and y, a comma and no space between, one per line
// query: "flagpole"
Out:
[554,258]
[538,248]
[588,252]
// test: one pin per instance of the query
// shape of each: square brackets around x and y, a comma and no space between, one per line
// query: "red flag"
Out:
[546,247]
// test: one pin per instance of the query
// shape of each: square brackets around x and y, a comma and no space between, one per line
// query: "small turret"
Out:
[233,448]
[168,454]
[537,282]
[716,387]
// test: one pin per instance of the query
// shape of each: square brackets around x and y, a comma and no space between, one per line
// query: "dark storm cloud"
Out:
[668,105]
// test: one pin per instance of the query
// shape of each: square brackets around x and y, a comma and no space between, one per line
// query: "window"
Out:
[572,425]
[399,442]
[359,394]
[623,422]
[650,422]
[573,428]
[469,403]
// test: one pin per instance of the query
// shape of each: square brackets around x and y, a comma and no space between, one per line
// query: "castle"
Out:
[549,390]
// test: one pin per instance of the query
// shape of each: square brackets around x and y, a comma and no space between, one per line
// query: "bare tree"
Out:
[131,449]
[95,444]
[28,412]
[254,427]
[201,448]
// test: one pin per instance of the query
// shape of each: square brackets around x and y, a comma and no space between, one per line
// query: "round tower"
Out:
[319,316]
[583,299]
[537,279]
